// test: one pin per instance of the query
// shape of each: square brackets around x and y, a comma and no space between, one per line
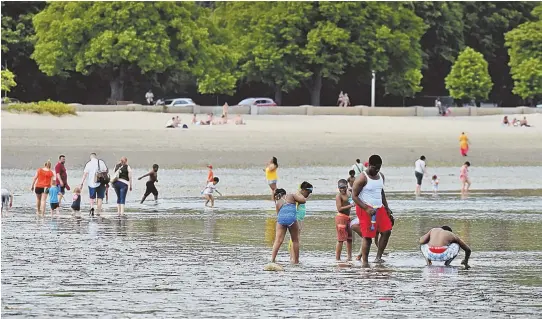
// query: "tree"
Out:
[469,78]
[404,85]
[114,39]
[8,80]
[525,50]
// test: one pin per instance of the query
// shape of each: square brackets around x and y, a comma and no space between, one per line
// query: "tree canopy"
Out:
[469,78]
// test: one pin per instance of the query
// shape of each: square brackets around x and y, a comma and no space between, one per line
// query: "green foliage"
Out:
[525,50]
[469,77]
[41,107]
[8,80]
[404,85]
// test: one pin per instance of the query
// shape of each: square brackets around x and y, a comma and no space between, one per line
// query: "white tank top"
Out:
[371,194]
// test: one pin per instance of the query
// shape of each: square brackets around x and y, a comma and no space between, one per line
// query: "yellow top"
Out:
[271,175]
[463,140]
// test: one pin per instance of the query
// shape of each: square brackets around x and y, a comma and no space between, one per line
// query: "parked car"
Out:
[178,102]
[258,101]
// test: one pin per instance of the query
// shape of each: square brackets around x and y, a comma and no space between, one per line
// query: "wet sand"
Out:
[197,263]
[298,141]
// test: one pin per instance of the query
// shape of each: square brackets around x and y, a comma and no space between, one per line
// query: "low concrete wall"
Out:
[360,110]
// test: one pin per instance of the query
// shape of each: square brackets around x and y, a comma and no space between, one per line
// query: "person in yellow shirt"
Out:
[271,175]
[463,144]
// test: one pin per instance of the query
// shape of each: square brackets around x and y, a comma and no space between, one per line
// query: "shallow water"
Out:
[191,262]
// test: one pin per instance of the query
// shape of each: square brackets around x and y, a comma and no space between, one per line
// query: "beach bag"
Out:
[102,177]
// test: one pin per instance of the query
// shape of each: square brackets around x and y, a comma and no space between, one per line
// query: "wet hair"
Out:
[155,167]
[448,228]
[358,161]
[434,176]
[306,186]
[274,160]
[279,193]
[342,182]
[422,158]
[467,163]
[352,172]
[216,179]
[61,156]
[375,160]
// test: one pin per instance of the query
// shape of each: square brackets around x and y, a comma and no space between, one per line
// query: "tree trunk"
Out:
[117,89]
[278,95]
[316,88]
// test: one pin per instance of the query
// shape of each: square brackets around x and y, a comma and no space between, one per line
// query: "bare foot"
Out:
[379,261]
[349,258]
[365,265]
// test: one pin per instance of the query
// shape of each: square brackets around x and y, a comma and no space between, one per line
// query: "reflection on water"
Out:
[209,263]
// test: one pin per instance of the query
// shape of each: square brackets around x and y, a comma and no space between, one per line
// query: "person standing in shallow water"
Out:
[464,177]
[122,184]
[150,187]
[372,209]
[271,175]
[44,178]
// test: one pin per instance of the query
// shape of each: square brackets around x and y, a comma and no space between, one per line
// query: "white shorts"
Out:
[354,221]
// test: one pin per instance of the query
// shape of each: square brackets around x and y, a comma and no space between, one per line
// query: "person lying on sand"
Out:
[441,244]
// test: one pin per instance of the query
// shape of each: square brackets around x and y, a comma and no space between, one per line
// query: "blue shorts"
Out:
[61,189]
[287,215]
[96,192]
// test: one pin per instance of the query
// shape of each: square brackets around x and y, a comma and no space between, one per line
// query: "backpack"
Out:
[102,177]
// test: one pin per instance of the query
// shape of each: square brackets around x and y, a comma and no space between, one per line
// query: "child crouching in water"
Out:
[76,204]
[208,192]
[285,205]
[342,220]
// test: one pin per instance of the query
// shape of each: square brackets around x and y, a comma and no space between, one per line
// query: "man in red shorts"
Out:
[372,209]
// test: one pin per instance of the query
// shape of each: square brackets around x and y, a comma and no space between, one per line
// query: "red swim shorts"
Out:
[342,223]
[383,222]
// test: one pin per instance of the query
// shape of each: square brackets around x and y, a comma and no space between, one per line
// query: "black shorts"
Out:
[151,189]
[39,190]
[76,208]
[419,177]
[54,206]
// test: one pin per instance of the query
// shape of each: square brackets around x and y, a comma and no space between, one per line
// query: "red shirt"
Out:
[61,170]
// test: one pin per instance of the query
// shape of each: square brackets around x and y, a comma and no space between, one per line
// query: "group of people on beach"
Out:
[50,185]
[364,192]
[515,122]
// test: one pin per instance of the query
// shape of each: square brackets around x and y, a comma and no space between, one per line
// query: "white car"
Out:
[258,101]
[179,102]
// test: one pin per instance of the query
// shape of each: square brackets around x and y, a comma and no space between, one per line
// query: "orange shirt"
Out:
[44,178]
[210,176]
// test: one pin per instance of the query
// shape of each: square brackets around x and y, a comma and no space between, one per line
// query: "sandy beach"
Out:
[29,140]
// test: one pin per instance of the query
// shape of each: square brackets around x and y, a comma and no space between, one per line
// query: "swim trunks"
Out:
[342,224]
[445,253]
[383,222]
[287,215]
[151,189]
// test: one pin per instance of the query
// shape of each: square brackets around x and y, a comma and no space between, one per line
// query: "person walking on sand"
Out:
[419,171]
[463,144]
[150,187]
[94,172]
[44,178]
[441,244]
[271,175]
[464,177]
[122,183]
[342,221]
[340,99]
[149,96]
[285,205]
[372,209]
[61,177]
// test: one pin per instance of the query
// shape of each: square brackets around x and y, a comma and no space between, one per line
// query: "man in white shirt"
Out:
[149,96]
[419,171]
[96,190]
[358,168]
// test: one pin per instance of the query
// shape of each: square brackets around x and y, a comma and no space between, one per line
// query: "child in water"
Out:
[434,182]
[151,188]
[285,205]
[208,192]
[344,204]
[53,199]
[76,202]
[351,179]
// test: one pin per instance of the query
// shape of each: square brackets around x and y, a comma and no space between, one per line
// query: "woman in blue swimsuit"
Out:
[287,218]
